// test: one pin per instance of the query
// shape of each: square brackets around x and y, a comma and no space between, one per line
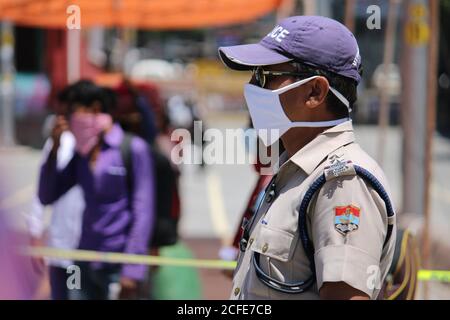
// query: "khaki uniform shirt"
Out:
[349,252]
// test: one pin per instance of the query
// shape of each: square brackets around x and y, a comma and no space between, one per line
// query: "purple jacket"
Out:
[113,220]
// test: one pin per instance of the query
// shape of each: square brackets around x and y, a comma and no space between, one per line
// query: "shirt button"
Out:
[251,241]
[265,247]
[243,244]
[236,291]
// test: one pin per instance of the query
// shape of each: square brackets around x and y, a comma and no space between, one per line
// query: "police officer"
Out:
[326,226]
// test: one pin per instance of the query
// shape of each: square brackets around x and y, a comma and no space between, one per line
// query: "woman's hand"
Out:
[60,126]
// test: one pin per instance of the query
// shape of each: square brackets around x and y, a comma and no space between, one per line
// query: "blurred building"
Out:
[41,60]
[41,66]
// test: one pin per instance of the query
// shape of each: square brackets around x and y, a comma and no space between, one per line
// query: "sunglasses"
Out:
[261,75]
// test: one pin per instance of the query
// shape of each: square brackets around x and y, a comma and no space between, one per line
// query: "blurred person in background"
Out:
[18,278]
[135,111]
[115,219]
[65,226]
[153,126]
[183,113]
[168,176]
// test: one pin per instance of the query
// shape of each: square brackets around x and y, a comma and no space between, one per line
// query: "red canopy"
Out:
[143,14]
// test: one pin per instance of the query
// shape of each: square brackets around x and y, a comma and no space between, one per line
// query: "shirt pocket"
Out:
[274,243]
[112,184]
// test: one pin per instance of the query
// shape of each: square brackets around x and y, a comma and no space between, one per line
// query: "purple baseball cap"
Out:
[317,41]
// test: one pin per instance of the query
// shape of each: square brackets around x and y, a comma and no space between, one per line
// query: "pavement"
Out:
[213,198]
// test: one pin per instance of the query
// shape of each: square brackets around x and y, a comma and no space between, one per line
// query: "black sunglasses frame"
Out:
[260,75]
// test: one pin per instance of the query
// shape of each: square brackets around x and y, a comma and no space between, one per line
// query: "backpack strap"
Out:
[125,151]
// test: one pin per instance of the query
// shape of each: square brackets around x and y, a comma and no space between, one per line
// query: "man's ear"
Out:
[318,91]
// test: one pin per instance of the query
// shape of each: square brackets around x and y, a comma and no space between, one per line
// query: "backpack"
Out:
[165,232]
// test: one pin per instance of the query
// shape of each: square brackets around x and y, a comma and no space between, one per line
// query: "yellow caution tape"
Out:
[114,257]
[434,275]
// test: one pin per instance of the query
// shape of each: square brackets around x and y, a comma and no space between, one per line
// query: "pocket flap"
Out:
[274,243]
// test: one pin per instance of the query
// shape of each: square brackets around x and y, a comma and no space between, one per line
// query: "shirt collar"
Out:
[311,155]
[114,136]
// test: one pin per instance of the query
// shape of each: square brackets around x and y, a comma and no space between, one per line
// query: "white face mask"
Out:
[268,116]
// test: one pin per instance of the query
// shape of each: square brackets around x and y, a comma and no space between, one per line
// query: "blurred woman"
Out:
[65,225]
[115,219]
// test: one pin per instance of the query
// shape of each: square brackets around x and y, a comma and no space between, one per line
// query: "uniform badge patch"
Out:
[346,219]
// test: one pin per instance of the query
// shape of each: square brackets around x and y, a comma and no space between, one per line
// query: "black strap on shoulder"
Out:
[125,151]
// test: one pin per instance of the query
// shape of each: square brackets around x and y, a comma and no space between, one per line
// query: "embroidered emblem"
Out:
[346,219]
